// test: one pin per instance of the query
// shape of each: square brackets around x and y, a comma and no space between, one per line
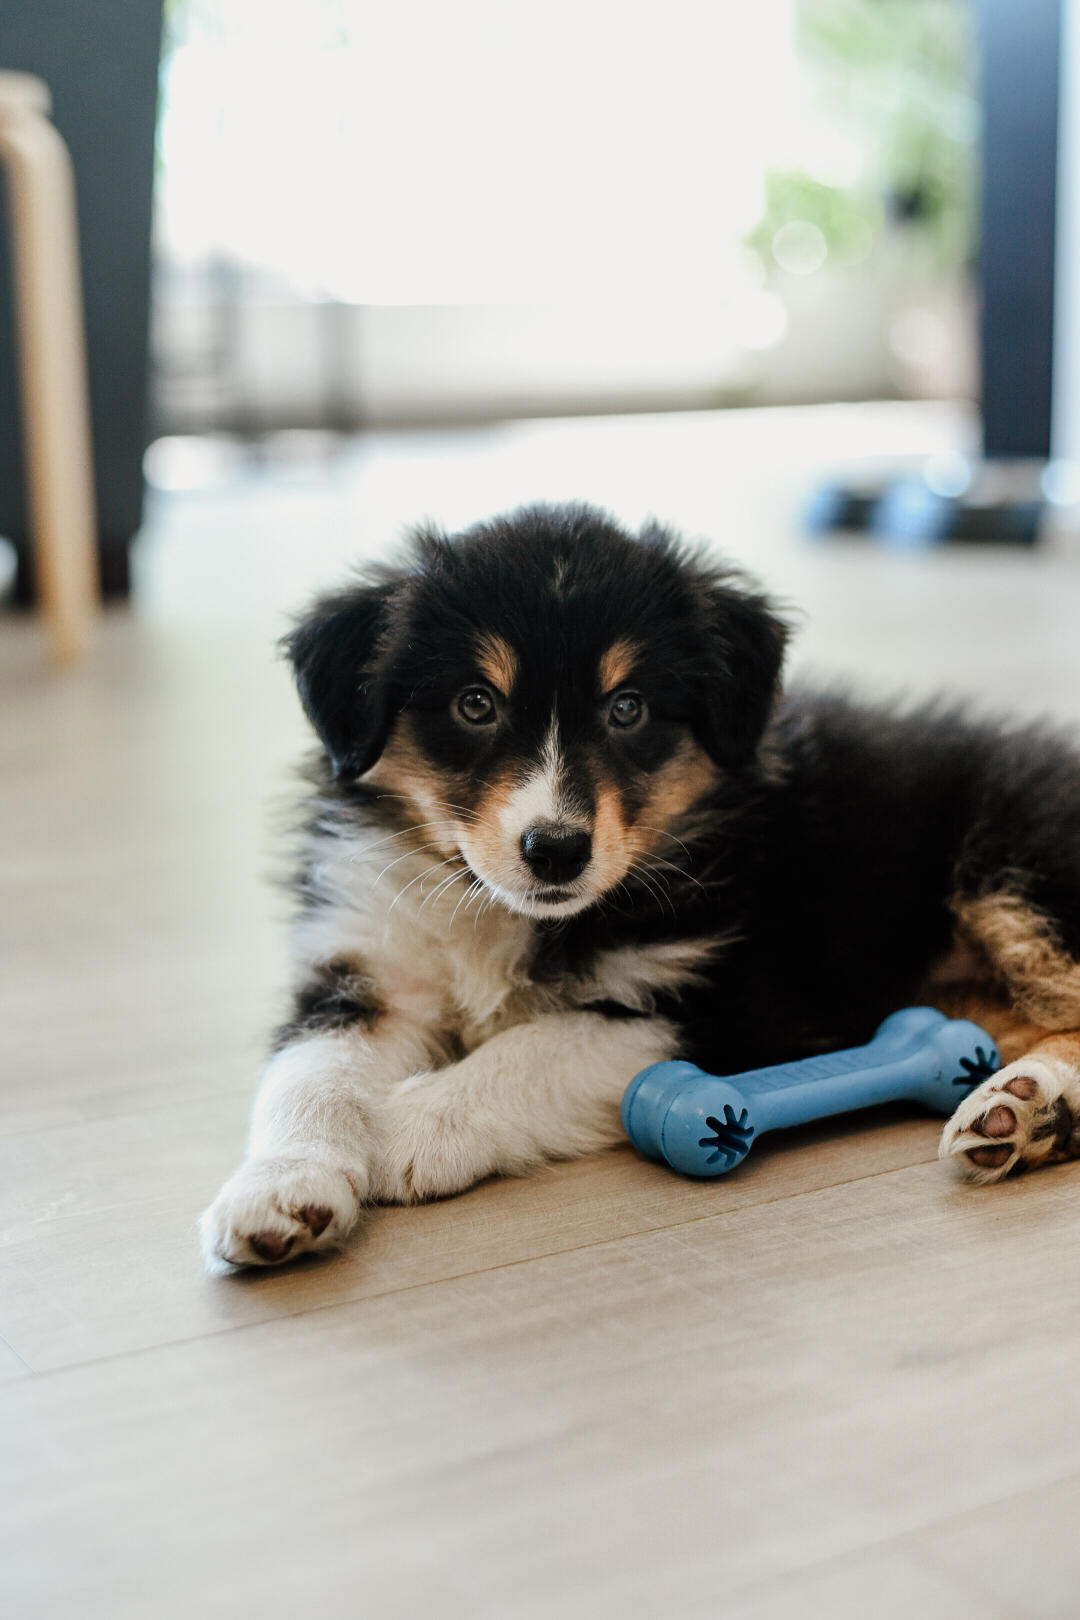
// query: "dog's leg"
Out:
[1026,1115]
[548,1089]
[308,1166]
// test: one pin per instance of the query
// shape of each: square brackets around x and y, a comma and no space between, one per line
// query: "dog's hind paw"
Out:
[272,1210]
[1026,1115]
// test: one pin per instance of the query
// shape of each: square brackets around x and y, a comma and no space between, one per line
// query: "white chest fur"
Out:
[443,953]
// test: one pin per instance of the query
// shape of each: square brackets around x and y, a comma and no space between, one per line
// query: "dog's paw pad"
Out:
[274,1209]
[990,1158]
[1000,1121]
[990,1136]
[271,1246]
[316,1217]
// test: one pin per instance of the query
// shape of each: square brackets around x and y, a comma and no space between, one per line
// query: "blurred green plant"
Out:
[894,81]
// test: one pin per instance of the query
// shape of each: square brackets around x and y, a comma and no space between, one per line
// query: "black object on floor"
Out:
[907,512]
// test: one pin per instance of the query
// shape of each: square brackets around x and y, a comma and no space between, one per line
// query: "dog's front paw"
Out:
[430,1147]
[272,1210]
[1026,1115]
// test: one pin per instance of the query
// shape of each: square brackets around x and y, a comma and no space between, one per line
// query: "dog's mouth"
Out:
[560,896]
[537,899]
[545,900]
[542,871]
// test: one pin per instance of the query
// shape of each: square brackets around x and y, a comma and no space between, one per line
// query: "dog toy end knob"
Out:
[698,1124]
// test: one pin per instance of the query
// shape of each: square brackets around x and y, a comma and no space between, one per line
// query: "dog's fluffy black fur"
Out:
[838,841]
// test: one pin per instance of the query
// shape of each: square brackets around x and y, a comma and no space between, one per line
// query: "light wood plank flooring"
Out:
[836,1383]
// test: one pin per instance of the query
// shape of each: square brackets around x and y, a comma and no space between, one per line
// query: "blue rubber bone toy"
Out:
[704,1124]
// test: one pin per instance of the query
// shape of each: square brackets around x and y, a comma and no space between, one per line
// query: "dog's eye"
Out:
[628,709]
[477,706]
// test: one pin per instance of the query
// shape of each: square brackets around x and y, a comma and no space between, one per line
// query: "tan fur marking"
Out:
[413,786]
[1041,979]
[609,839]
[1012,1032]
[617,664]
[1062,1044]
[678,784]
[423,796]
[485,835]
[497,662]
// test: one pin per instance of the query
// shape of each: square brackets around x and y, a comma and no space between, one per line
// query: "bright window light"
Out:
[479,152]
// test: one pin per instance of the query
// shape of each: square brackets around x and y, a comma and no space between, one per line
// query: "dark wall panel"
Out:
[1018,60]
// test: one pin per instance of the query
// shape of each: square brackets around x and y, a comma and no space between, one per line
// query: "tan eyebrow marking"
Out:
[497,662]
[616,664]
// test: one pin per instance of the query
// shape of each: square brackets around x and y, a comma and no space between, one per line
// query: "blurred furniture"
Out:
[51,361]
[100,62]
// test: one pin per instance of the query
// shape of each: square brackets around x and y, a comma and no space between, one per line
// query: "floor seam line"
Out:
[18,1355]
[457,1276]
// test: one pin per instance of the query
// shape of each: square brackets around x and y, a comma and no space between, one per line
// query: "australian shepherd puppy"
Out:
[564,824]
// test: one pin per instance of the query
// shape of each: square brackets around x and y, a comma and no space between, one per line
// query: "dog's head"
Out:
[544,694]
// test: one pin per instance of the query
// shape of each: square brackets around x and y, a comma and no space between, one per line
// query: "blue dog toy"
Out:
[704,1124]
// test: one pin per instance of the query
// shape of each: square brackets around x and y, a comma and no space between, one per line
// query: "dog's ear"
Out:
[745,641]
[335,653]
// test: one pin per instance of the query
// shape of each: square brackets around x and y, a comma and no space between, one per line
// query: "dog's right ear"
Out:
[335,653]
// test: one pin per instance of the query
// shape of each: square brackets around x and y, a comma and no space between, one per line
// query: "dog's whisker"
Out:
[444,803]
[486,901]
[472,895]
[645,859]
[443,883]
[464,809]
[463,898]
[664,834]
[437,866]
[662,860]
[629,897]
[653,885]
[420,826]
[397,862]
[441,889]
[688,876]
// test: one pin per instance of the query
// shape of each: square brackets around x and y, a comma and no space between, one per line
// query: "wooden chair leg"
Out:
[52,362]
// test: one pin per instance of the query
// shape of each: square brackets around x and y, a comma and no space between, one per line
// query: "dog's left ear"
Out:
[335,653]
[745,640]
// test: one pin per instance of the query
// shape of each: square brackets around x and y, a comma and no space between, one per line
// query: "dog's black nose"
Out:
[556,854]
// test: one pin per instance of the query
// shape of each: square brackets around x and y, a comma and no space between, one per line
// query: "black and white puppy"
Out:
[564,825]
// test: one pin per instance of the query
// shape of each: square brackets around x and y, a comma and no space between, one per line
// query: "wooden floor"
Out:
[836,1383]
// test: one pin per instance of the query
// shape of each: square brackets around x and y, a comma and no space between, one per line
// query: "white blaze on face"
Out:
[493,846]
[541,798]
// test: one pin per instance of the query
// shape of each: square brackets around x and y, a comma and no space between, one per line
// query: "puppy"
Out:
[564,825]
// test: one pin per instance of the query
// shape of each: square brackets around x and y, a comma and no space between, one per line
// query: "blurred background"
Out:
[370,214]
[805,285]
